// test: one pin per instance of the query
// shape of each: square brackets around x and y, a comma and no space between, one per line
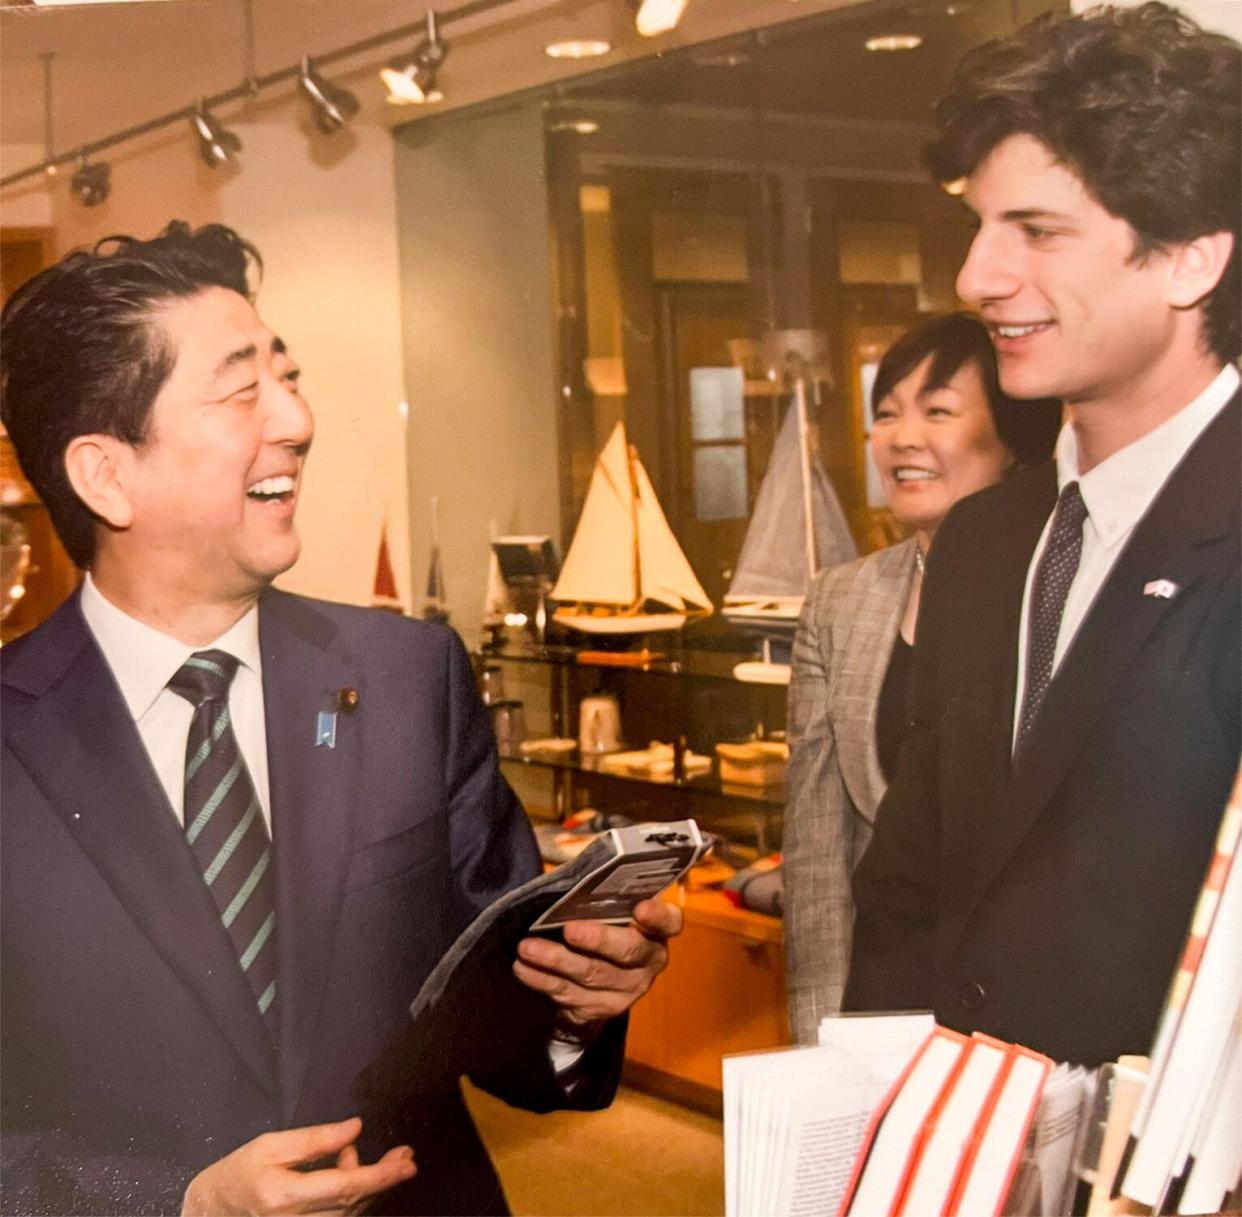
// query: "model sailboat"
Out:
[624,572]
[797,530]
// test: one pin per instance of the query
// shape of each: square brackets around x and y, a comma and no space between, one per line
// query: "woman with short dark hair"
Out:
[942,429]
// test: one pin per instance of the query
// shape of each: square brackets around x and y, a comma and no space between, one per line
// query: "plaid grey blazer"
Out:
[834,784]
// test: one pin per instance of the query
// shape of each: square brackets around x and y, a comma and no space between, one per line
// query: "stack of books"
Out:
[893,1116]
[1184,1151]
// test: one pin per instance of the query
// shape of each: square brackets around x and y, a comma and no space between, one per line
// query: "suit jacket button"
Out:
[972,995]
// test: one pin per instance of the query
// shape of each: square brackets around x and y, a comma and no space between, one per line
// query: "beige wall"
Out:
[331,289]
[324,218]
[28,205]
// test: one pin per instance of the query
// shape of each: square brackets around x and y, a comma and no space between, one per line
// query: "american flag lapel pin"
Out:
[1161,589]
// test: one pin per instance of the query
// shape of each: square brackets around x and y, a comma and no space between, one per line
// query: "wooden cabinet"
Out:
[723,992]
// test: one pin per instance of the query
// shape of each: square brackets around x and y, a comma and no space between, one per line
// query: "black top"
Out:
[890,714]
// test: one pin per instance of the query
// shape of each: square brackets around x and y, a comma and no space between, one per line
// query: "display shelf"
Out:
[706,783]
[678,662]
[688,699]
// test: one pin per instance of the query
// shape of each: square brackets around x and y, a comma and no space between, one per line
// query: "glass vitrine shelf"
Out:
[687,697]
[679,662]
[705,783]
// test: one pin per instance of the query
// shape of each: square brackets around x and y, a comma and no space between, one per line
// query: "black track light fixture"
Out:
[333,105]
[652,17]
[216,143]
[92,183]
[411,80]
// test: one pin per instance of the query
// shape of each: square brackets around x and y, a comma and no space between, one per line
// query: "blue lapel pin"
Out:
[1161,589]
[325,729]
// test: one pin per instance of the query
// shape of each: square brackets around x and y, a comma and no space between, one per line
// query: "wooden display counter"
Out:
[723,992]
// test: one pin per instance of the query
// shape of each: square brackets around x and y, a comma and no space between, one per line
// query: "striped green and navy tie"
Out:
[224,824]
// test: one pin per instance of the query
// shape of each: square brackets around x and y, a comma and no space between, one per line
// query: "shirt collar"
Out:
[143,659]
[1119,490]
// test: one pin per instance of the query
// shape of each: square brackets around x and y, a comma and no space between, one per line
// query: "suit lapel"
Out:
[982,625]
[81,748]
[864,657]
[1183,535]
[313,788]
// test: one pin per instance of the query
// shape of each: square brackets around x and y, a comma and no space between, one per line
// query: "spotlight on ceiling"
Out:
[579,126]
[894,42]
[92,183]
[658,16]
[333,105]
[411,79]
[216,143]
[577,48]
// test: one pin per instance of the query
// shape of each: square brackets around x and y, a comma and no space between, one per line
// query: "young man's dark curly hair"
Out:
[1142,104]
[82,351]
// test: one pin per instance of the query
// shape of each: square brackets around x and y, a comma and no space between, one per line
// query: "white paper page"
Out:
[1197,1050]
[772,1099]
[740,1076]
[828,1118]
[1056,1127]
[736,1072]
[876,1034]
[1218,1147]
[771,1104]
[820,1078]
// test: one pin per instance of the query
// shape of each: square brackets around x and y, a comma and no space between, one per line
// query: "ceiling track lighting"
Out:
[412,80]
[894,43]
[577,48]
[49,142]
[654,17]
[333,105]
[92,183]
[216,143]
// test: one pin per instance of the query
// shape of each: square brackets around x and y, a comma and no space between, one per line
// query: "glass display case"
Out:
[610,708]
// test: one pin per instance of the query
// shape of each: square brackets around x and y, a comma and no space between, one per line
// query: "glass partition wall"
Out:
[734,216]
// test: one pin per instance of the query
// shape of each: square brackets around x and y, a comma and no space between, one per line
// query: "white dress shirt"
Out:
[143,661]
[1117,494]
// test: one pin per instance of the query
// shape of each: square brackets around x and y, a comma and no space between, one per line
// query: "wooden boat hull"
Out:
[760,672]
[761,610]
[619,623]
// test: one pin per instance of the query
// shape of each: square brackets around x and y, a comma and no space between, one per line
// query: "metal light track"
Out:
[250,88]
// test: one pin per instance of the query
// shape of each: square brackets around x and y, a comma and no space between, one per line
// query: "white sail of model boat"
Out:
[797,530]
[624,558]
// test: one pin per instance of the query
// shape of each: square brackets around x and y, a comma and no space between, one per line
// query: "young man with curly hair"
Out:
[1074,717]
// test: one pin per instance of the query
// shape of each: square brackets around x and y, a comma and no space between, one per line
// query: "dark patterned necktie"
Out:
[224,824]
[1057,566]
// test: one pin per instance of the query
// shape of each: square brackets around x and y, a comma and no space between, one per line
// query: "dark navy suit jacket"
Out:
[133,1054]
[1045,899]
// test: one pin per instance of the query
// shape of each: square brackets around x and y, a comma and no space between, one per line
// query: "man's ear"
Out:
[95,468]
[1196,267]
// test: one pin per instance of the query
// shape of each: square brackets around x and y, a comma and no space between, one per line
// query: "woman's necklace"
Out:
[920,562]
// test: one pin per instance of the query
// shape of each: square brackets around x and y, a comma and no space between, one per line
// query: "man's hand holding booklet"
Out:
[462,1021]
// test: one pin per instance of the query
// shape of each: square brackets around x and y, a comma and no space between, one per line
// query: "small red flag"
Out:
[384,594]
